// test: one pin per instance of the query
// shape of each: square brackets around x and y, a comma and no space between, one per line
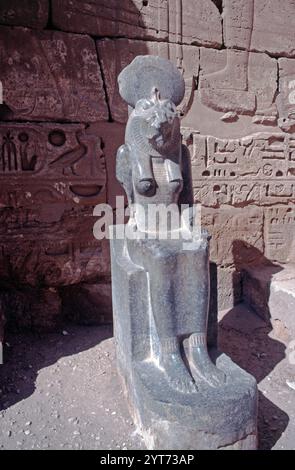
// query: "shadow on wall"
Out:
[249,257]
[244,336]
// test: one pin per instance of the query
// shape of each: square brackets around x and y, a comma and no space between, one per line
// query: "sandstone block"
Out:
[35,309]
[265,26]
[112,136]
[179,21]
[51,177]
[48,75]
[273,29]
[116,54]
[30,13]
[270,291]
[255,169]
[237,235]
[45,164]
[286,97]
[88,304]
[235,81]
[279,233]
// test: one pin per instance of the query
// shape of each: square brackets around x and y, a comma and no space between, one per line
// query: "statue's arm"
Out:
[142,173]
[144,167]
[186,195]
[124,170]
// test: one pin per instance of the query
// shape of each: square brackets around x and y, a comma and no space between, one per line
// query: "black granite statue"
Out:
[149,166]
[161,289]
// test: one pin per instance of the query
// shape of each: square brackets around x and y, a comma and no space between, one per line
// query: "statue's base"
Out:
[223,417]
[212,418]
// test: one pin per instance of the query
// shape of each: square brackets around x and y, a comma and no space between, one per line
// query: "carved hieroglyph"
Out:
[256,169]
[279,232]
[50,163]
[241,182]
[49,176]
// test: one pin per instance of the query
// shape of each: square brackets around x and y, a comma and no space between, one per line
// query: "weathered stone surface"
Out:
[53,253]
[286,97]
[273,29]
[237,235]
[238,23]
[2,323]
[179,21]
[265,26]
[112,135]
[50,75]
[116,54]
[232,80]
[51,177]
[45,164]
[30,13]
[255,169]
[36,309]
[225,293]
[88,304]
[279,233]
[270,290]
[229,287]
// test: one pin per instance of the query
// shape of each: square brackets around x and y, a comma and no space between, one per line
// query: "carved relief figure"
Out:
[235,89]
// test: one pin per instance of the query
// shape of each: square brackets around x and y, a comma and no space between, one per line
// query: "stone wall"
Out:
[62,120]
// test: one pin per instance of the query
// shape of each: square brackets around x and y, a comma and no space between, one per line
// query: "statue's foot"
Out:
[202,368]
[266,116]
[175,370]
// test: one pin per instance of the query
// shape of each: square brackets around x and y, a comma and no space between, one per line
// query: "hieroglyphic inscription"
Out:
[50,163]
[257,169]
[280,233]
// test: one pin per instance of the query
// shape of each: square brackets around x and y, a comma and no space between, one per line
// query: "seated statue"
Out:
[151,170]
[179,397]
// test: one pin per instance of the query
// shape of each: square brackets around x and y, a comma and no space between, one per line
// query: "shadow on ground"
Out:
[247,339]
[26,354]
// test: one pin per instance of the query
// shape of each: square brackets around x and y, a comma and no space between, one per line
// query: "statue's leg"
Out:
[192,313]
[161,263]
[163,305]
[238,24]
[173,170]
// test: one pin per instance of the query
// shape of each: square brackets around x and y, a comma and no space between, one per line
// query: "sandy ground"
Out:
[61,390]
